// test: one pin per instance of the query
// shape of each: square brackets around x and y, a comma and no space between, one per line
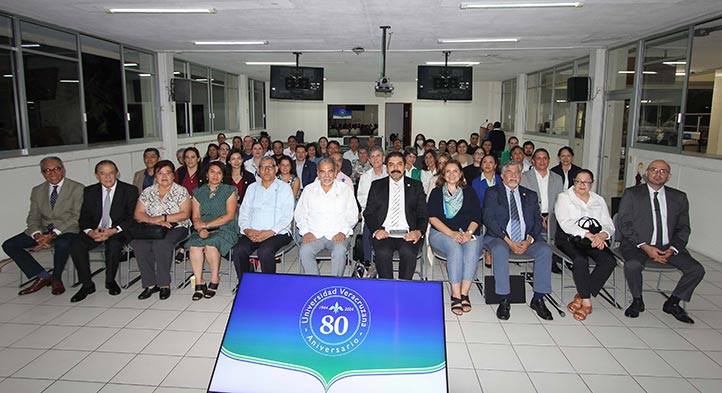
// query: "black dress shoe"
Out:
[82,293]
[678,312]
[541,309]
[164,293]
[147,292]
[112,288]
[503,312]
[635,308]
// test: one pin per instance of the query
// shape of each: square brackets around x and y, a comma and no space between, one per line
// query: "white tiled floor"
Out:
[118,344]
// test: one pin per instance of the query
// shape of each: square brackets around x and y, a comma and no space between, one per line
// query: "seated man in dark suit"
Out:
[653,221]
[396,203]
[305,169]
[106,216]
[52,222]
[513,223]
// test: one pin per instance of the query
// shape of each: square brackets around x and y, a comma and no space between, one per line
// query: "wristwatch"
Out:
[165,217]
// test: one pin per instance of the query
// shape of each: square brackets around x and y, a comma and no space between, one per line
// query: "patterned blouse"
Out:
[170,204]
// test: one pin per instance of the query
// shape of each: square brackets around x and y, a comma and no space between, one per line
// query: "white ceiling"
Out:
[547,36]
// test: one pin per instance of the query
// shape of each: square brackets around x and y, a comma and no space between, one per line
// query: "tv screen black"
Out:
[444,83]
[296,83]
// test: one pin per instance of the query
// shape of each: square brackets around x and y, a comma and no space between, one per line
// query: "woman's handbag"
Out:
[146,231]
[592,226]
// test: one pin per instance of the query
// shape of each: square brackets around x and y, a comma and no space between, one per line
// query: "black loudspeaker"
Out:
[181,90]
[578,88]
[516,283]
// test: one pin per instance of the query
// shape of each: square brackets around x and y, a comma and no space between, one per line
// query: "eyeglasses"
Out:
[48,171]
[266,168]
[659,171]
[583,183]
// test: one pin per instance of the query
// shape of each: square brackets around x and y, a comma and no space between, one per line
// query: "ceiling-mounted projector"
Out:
[384,85]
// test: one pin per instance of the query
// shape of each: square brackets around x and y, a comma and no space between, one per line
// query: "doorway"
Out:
[614,150]
[398,121]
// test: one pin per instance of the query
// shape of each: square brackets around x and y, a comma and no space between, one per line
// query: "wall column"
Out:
[593,131]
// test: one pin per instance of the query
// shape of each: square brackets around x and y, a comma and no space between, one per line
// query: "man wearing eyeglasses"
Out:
[653,222]
[52,222]
[514,225]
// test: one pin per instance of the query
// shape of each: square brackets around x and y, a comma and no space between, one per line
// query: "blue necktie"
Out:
[53,197]
[515,223]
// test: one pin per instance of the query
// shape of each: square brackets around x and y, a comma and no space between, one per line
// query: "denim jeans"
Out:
[462,260]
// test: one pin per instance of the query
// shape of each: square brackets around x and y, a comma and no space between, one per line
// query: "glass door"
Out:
[614,153]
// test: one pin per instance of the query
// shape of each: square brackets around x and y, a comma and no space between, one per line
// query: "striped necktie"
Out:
[515,223]
[54,197]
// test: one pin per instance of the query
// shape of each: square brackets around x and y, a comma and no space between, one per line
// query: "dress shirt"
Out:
[364,185]
[270,208]
[289,153]
[543,183]
[250,166]
[403,224]
[299,170]
[517,197]
[569,209]
[344,179]
[662,198]
[527,165]
[324,214]
[104,191]
[349,155]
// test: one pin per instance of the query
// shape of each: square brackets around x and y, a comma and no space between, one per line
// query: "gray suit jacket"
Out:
[64,216]
[556,185]
[634,220]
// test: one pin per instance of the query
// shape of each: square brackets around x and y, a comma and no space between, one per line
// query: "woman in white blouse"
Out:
[584,228]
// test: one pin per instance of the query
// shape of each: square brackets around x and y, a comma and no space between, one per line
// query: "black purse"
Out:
[589,224]
[147,231]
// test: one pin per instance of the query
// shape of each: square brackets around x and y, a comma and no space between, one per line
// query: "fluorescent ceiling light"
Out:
[643,72]
[469,6]
[69,81]
[674,62]
[261,63]
[230,42]
[473,40]
[457,63]
[176,72]
[7,76]
[144,74]
[30,45]
[679,74]
[130,64]
[161,10]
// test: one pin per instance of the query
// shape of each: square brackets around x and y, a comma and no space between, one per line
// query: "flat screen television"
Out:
[444,83]
[296,83]
[342,113]
[328,334]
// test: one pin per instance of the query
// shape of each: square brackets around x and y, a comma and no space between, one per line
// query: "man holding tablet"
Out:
[397,217]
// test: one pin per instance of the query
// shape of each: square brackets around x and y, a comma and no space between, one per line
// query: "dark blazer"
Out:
[498,141]
[309,172]
[121,210]
[496,212]
[635,219]
[247,179]
[377,206]
[573,170]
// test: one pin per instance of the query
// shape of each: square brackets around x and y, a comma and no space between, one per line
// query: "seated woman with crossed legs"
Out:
[584,228]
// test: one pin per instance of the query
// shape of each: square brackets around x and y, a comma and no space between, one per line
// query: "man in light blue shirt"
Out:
[264,220]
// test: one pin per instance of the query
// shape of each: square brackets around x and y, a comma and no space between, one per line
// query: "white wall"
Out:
[435,119]
[395,120]
[701,179]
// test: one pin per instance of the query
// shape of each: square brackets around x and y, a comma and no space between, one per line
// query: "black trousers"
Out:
[383,255]
[692,272]
[266,251]
[589,283]
[16,247]
[81,259]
